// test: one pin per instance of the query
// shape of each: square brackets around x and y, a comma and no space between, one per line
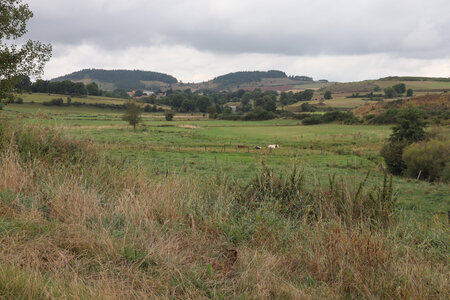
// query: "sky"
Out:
[197,40]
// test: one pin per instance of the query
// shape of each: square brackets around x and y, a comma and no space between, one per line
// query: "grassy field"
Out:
[92,209]
[39,98]
[194,145]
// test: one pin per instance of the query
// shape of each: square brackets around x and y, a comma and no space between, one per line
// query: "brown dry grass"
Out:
[433,102]
[107,233]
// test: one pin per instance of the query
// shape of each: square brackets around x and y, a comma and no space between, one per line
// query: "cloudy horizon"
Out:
[197,40]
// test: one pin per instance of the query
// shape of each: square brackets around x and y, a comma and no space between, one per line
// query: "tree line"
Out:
[65,87]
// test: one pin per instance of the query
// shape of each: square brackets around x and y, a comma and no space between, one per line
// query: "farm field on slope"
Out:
[195,146]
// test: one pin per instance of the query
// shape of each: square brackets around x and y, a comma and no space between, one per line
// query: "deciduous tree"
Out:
[132,114]
[18,60]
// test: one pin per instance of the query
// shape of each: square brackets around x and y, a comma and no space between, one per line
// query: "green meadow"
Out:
[192,145]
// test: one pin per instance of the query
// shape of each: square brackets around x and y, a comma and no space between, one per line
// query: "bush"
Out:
[392,154]
[388,117]
[259,115]
[169,116]
[430,159]
[312,120]
[54,102]
[340,116]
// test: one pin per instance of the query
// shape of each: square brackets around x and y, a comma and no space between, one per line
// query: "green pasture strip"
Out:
[40,97]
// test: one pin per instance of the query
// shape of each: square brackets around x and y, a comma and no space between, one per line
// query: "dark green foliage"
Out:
[169,116]
[65,87]
[390,116]
[92,89]
[259,115]
[54,102]
[312,120]
[332,116]
[306,107]
[327,95]
[392,154]
[410,129]
[126,79]
[410,126]
[389,92]
[409,93]
[305,95]
[340,116]
[429,159]
[23,84]
[18,62]
[399,88]
[244,77]
[203,103]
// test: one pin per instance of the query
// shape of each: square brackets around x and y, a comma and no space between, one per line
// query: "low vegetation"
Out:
[92,228]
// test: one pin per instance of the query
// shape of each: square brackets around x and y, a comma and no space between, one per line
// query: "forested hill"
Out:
[247,76]
[127,79]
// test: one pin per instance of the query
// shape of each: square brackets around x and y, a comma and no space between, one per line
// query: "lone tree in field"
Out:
[132,114]
[327,95]
[17,61]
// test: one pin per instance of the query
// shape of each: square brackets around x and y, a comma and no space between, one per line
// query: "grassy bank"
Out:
[95,228]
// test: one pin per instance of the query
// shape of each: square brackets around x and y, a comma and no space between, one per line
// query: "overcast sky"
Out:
[196,40]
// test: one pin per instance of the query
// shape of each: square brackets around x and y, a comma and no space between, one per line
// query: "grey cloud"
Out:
[413,28]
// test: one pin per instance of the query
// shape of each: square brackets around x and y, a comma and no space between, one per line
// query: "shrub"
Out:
[169,116]
[390,116]
[312,120]
[392,154]
[54,102]
[430,159]
[410,126]
[259,115]
[340,116]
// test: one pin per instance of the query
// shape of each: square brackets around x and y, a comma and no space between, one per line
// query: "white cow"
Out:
[273,146]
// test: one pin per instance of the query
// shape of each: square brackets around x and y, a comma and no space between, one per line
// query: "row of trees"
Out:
[65,87]
[287,98]
[397,90]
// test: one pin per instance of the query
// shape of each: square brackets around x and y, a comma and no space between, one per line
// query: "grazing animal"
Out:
[241,146]
[257,147]
[273,146]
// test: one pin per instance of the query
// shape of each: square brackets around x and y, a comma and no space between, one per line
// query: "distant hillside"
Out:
[429,103]
[415,78]
[237,78]
[418,84]
[126,79]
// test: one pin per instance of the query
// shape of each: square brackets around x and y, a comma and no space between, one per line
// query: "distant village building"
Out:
[233,108]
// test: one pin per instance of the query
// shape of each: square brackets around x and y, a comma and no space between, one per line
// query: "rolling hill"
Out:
[126,79]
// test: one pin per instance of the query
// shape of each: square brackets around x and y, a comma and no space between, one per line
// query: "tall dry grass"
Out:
[90,229]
